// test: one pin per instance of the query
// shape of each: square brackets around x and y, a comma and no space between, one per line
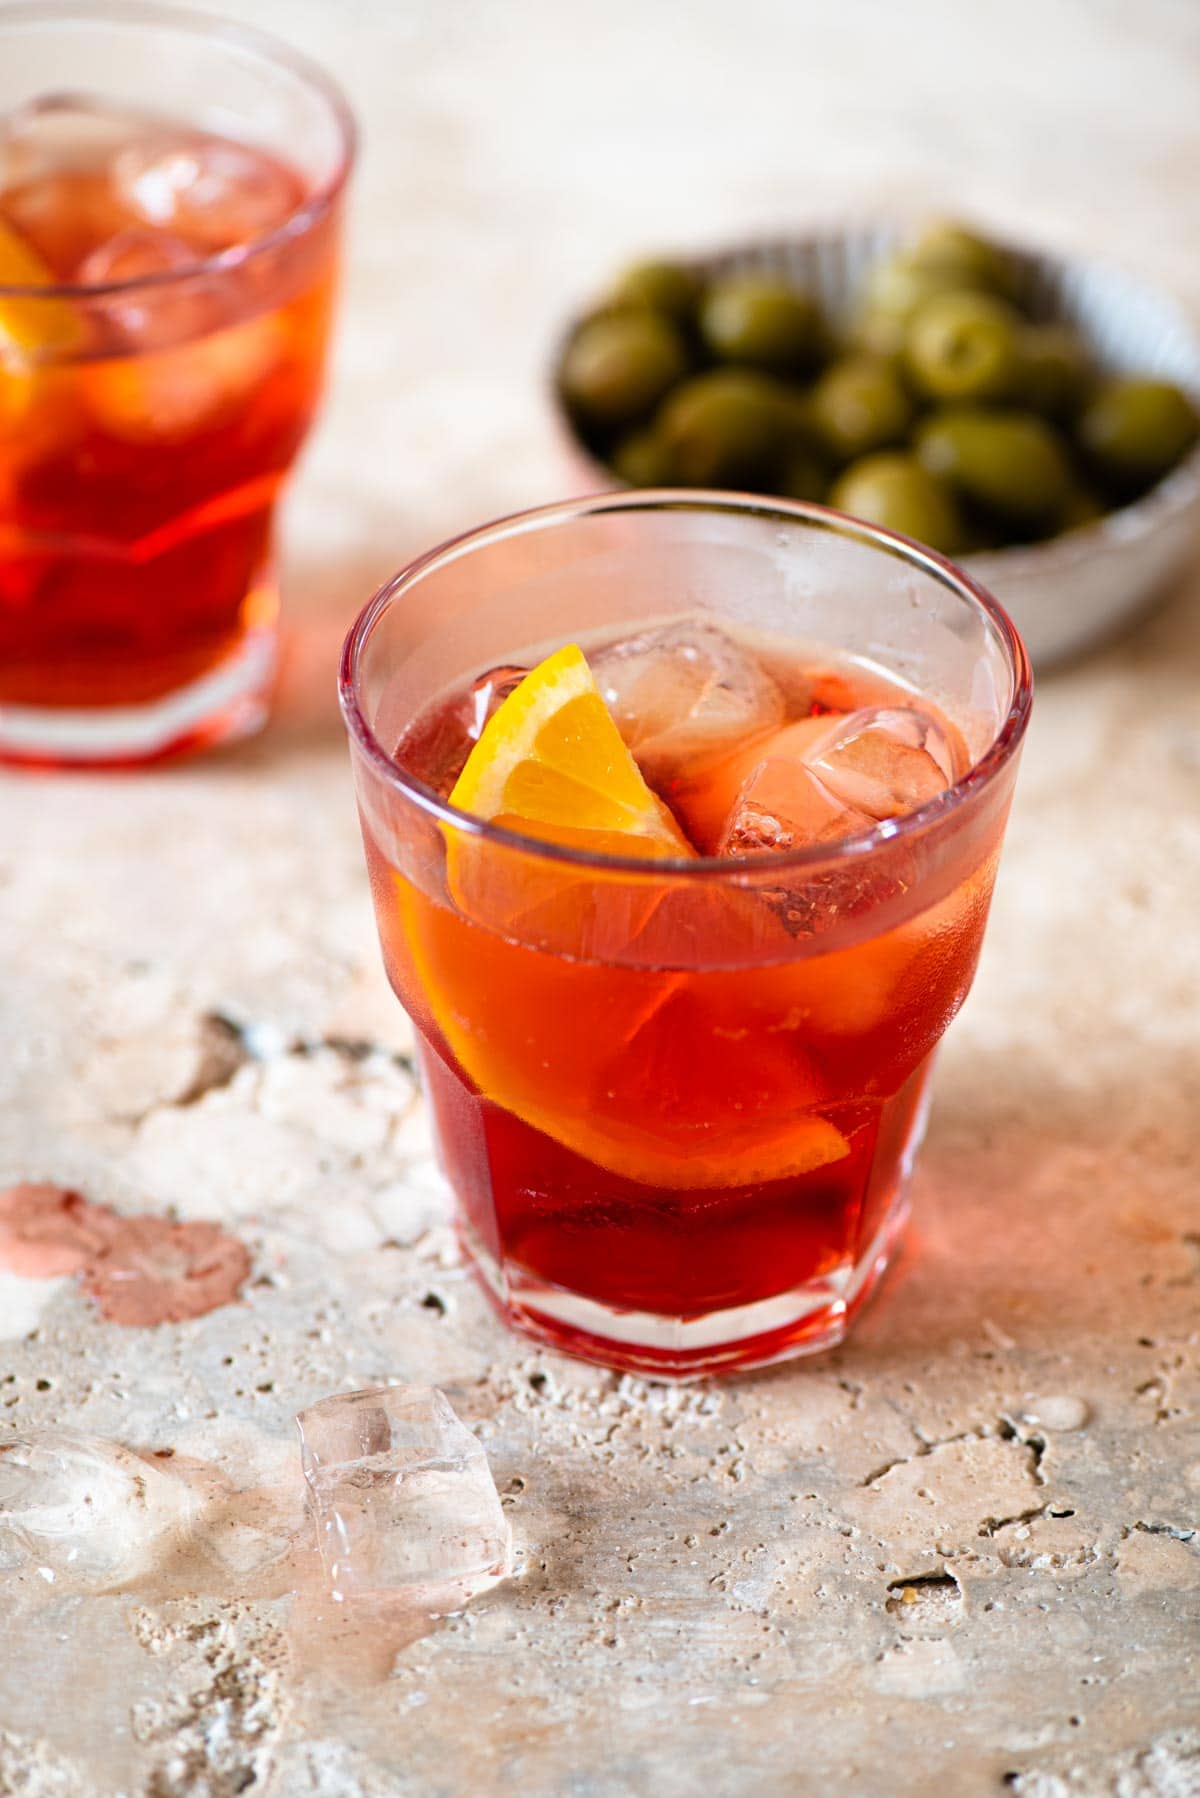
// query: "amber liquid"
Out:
[654,1140]
[140,462]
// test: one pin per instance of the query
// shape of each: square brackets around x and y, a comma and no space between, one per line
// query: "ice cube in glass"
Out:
[214,192]
[61,133]
[685,694]
[886,760]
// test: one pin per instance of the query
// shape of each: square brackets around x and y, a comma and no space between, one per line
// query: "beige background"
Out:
[704,1600]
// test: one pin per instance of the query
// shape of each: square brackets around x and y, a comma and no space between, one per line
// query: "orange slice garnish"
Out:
[551,764]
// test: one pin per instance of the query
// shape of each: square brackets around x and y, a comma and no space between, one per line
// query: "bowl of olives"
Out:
[1035,418]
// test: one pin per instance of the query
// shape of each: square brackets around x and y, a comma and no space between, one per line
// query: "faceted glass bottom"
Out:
[803,1321]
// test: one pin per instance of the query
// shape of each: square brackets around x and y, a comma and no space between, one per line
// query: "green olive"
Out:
[724,428]
[860,405]
[1054,370]
[892,292]
[944,245]
[619,365]
[893,490]
[760,321]
[1134,431]
[666,287]
[643,460]
[963,347]
[1012,464]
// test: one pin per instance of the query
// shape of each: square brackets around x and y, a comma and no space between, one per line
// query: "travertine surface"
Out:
[958,1554]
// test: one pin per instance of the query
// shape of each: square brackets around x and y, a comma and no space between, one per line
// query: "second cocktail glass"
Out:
[679,1101]
[170,205]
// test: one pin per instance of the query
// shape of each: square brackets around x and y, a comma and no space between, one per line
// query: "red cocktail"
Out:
[677,1083]
[165,298]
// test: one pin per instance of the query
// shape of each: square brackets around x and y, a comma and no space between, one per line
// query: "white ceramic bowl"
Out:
[1072,592]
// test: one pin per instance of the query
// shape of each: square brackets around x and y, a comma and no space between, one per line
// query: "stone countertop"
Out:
[958,1554]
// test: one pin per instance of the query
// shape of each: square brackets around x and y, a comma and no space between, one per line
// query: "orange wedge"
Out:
[27,324]
[551,764]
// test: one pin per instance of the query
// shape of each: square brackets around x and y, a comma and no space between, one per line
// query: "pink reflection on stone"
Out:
[46,1231]
[155,1272]
[140,1270]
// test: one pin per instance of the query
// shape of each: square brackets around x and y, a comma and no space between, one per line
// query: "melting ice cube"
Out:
[63,138]
[826,778]
[486,693]
[784,805]
[780,801]
[683,695]
[64,133]
[402,1495]
[886,760]
[135,255]
[158,312]
[439,746]
[89,1511]
[214,192]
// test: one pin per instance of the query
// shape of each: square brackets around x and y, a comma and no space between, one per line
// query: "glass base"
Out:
[803,1321]
[227,702]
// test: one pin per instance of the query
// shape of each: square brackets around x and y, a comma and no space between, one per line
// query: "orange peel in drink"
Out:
[29,324]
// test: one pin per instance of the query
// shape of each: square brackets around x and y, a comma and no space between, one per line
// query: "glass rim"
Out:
[976,778]
[185,20]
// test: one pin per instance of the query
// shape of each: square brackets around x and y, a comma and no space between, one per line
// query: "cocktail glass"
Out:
[152,403]
[679,1102]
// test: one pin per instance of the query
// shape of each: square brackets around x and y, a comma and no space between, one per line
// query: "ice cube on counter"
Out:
[88,1511]
[402,1496]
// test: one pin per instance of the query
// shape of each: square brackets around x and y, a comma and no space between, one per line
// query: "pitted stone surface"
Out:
[962,1553]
